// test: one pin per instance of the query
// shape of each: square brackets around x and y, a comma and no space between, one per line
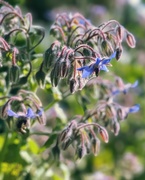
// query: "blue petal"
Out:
[113,55]
[104,68]
[30,113]
[40,111]
[87,70]
[81,21]
[86,73]
[116,92]
[82,68]
[106,61]
[12,113]
[135,84]
[98,60]
[134,108]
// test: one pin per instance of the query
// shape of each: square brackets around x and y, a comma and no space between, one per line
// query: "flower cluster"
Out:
[79,53]
[83,137]
[18,38]
[82,50]
[26,106]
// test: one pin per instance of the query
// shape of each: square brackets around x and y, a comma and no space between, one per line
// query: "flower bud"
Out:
[119,51]
[81,151]
[64,68]
[120,32]
[49,59]
[130,40]
[73,85]
[110,111]
[95,146]
[104,134]
[115,127]
[40,78]
[122,114]
[54,75]
[65,144]
[107,47]
[14,73]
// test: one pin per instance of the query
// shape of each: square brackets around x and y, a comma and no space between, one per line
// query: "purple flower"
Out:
[29,114]
[134,108]
[125,88]
[100,64]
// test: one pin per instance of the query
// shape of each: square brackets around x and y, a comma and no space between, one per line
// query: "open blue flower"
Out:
[29,114]
[134,108]
[100,64]
[125,88]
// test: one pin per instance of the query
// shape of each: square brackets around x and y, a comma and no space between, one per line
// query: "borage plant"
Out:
[72,65]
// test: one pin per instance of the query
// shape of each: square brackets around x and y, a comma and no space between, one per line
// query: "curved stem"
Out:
[69,38]
[10,13]
[61,32]
[84,46]
[110,22]
[43,34]
[88,125]
[6,4]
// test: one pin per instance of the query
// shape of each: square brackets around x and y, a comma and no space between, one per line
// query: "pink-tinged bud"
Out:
[130,40]
[104,134]
[120,32]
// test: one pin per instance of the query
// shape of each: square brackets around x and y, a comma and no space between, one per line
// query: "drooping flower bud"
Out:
[120,32]
[119,51]
[73,85]
[81,151]
[104,134]
[40,78]
[107,47]
[95,146]
[115,127]
[130,40]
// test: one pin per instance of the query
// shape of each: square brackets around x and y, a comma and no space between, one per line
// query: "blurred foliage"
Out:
[26,158]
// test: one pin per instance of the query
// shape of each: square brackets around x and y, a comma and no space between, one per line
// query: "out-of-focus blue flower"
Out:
[125,88]
[134,108]
[100,64]
[40,112]
[29,114]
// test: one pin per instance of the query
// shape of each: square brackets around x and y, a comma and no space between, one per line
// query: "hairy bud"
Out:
[119,51]
[130,40]
[81,151]
[40,78]
[104,134]
[95,146]
[120,32]
[73,85]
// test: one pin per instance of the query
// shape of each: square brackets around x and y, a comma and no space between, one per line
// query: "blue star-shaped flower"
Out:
[125,88]
[100,64]
[29,114]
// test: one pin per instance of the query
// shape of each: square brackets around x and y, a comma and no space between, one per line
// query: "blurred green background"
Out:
[123,158]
